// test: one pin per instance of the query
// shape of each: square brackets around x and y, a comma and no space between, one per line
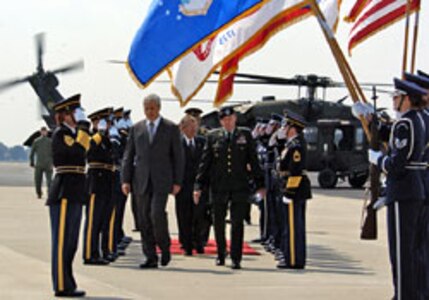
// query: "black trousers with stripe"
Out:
[95,215]
[402,228]
[65,225]
[293,244]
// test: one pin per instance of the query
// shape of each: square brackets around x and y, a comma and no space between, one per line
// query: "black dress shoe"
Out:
[149,264]
[188,252]
[165,258]
[235,265]
[220,261]
[96,261]
[200,250]
[74,293]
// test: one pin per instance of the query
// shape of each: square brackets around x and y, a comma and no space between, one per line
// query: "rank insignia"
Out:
[296,156]
[399,144]
[241,140]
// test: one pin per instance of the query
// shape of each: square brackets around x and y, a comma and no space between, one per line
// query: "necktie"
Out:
[191,146]
[151,131]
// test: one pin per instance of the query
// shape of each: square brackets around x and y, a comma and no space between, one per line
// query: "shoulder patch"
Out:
[399,144]
[68,140]
[296,156]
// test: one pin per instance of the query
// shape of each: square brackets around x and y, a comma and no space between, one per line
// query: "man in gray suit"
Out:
[152,167]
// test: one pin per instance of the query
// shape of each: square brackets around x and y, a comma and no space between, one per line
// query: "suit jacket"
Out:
[192,161]
[161,161]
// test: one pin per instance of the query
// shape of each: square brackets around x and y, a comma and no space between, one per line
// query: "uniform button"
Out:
[229,163]
[229,149]
[229,156]
[229,170]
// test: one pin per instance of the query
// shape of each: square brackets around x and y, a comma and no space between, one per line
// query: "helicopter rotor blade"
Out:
[116,61]
[40,49]
[11,83]
[79,65]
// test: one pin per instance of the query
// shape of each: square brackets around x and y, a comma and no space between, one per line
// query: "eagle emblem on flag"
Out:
[195,7]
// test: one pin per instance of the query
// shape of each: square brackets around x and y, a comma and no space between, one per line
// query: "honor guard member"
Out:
[422,239]
[196,113]
[228,160]
[100,186]
[404,169]
[296,191]
[70,142]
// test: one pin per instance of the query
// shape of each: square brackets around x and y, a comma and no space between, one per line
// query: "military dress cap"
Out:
[261,120]
[294,119]
[409,88]
[101,113]
[423,74]
[68,104]
[418,79]
[193,111]
[119,112]
[127,112]
[276,117]
[226,111]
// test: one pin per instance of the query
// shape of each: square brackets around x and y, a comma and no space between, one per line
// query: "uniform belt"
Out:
[416,165]
[70,170]
[287,173]
[103,166]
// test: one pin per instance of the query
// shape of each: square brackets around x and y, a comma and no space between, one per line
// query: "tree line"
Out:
[14,153]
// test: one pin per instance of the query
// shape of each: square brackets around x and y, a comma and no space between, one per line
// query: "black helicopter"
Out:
[337,146]
[44,83]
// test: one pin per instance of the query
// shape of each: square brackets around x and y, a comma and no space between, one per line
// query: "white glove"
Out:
[273,139]
[102,125]
[79,115]
[281,133]
[113,132]
[362,109]
[286,200]
[373,156]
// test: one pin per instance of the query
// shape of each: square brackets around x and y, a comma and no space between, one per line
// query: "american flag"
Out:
[372,16]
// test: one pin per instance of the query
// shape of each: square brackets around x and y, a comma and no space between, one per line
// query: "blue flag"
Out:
[172,27]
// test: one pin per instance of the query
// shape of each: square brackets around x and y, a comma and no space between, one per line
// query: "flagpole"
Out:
[416,31]
[407,28]
[346,71]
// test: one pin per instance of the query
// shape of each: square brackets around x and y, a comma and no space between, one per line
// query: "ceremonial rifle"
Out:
[369,227]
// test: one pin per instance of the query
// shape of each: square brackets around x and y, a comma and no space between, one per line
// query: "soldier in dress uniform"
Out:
[422,239]
[296,192]
[42,150]
[228,160]
[70,142]
[405,191]
[100,186]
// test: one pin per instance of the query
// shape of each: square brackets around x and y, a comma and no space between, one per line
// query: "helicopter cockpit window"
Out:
[310,134]
[343,138]
[359,139]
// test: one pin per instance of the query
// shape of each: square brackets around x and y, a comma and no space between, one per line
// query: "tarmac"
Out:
[339,264]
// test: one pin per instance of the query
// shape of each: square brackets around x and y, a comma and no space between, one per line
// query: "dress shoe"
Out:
[258,240]
[200,250]
[127,239]
[220,261]
[188,252]
[149,264]
[165,258]
[235,265]
[74,293]
[120,252]
[96,261]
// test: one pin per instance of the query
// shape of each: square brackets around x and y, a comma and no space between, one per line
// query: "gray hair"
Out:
[186,120]
[152,98]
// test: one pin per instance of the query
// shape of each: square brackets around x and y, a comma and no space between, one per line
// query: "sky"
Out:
[99,30]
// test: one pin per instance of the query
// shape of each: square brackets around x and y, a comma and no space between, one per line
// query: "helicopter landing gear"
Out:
[358,180]
[327,178]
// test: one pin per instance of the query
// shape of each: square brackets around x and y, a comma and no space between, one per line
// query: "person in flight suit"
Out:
[229,160]
[42,149]
[100,185]
[405,192]
[296,192]
[70,142]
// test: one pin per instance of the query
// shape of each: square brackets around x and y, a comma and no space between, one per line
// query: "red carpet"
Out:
[211,248]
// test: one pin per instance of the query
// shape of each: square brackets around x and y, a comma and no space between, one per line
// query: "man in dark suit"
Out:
[190,217]
[229,161]
[152,167]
